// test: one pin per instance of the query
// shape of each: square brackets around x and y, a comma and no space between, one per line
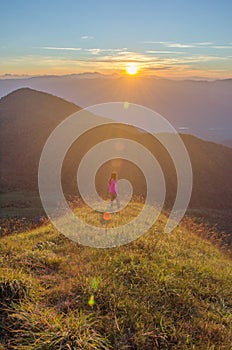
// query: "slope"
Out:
[159,292]
[27,118]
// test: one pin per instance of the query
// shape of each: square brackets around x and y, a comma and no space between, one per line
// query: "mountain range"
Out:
[27,117]
[197,107]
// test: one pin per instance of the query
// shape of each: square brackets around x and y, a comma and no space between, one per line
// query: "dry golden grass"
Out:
[162,291]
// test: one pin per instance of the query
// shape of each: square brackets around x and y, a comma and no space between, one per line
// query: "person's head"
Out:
[113,176]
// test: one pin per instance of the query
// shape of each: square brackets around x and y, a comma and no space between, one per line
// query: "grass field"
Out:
[162,291]
[20,204]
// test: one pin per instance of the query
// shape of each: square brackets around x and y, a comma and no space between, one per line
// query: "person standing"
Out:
[113,190]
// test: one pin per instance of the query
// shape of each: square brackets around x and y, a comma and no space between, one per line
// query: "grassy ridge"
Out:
[162,291]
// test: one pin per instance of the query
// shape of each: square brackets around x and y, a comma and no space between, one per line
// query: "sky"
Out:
[168,38]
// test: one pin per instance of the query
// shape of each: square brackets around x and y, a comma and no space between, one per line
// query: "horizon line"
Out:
[9,76]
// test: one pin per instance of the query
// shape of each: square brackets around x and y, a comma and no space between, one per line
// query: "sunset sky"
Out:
[169,38]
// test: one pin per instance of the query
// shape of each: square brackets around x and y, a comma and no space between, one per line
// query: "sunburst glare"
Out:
[132,69]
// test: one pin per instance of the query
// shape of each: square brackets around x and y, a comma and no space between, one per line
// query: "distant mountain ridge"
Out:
[201,108]
[27,117]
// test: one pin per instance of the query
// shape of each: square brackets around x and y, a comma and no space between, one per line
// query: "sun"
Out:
[132,69]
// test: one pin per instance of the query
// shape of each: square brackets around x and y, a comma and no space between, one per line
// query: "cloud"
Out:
[118,57]
[178,45]
[204,43]
[127,56]
[170,44]
[87,37]
[158,68]
[61,48]
[144,60]
[222,46]
[165,52]
[195,59]
[94,51]
[97,51]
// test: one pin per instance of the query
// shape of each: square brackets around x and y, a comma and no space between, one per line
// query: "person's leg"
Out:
[111,202]
[118,202]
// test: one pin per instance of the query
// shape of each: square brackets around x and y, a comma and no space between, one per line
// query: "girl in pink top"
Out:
[113,190]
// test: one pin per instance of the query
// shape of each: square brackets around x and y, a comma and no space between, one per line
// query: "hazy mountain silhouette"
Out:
[201,108]
[27,117]
[227,143]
